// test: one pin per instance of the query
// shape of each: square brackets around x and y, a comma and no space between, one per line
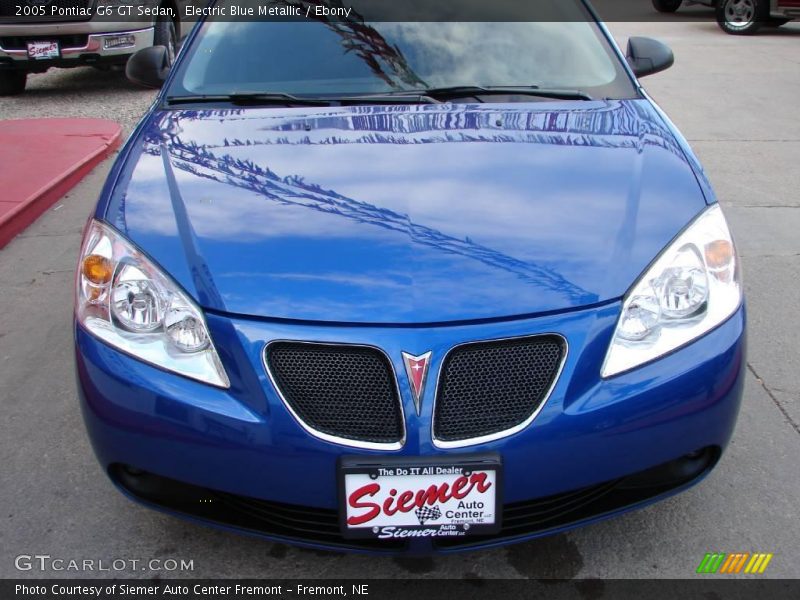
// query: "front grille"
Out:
[490,387]
[524,518]
[540,515]
[348,392]
[320,526]
[55,10]
[18,42]
[317,525]
[289,522]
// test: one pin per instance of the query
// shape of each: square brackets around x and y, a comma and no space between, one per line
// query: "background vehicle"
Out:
[32,40]
[741,17]
[671,6]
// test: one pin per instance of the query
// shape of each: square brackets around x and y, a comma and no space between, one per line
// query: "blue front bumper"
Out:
[244,442]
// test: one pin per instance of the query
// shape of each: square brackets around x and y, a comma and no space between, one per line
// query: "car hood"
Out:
[405,214]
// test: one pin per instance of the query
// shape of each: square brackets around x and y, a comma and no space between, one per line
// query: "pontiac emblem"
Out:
[417,371]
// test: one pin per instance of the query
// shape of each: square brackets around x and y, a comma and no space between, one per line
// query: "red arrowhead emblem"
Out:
[417,372]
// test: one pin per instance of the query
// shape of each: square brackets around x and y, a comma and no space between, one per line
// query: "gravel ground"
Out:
[79,92]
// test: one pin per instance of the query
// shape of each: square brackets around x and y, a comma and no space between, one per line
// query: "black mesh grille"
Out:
[490,387]
[344,391]
[18,42]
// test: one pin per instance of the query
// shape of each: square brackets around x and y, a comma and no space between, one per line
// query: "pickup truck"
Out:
[38,34]
[741,17]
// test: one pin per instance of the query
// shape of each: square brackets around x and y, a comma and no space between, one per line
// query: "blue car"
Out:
[406,287]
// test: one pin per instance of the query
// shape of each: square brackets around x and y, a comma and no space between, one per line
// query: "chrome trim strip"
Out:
[94,44]
[506,432]
[326,436]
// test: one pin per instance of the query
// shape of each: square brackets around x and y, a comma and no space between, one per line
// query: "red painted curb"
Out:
[42,159]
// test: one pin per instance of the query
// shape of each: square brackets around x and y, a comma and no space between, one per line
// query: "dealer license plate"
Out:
[43,50]
[420,498]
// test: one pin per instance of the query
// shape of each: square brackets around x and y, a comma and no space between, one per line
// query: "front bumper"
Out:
[76,49]
[243,445]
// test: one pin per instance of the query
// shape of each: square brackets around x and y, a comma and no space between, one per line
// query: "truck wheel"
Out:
[166,35]
[12,82]
[741,17]
[667,6]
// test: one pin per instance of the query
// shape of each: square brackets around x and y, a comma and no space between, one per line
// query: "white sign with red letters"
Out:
[420,501]
[43,50]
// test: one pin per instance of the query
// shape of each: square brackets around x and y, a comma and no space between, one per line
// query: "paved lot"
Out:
[734,98]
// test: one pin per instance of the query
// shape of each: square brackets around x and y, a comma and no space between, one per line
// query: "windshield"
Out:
[339,57]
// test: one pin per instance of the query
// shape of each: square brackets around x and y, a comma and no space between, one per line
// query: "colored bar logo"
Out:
[734,563]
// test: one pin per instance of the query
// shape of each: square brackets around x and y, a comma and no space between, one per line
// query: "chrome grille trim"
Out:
[444,444]
[393,446]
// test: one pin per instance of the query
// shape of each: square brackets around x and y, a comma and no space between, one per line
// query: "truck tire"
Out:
[667,6]
[12,82]
[742,17]
[166,35]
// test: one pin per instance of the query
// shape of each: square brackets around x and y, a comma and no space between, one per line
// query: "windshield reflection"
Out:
[333,56]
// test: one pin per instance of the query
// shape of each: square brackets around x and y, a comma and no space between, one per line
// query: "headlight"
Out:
[125,300]
[690,289]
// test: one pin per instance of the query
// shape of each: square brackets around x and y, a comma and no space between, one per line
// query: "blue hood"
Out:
[405,214]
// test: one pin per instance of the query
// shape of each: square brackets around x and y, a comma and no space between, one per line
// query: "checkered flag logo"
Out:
[427,513]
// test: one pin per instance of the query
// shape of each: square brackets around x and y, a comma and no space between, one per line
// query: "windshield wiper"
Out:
[389,98]
[459,91]
[421,96]
[252,98]
[279,98]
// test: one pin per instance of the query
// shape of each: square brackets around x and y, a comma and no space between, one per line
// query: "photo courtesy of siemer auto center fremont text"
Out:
[392,299]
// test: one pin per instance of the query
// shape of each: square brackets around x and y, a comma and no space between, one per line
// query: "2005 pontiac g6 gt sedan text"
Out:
[425,286]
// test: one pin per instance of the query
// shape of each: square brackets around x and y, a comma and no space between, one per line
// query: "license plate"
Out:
[420,498]
[43,50]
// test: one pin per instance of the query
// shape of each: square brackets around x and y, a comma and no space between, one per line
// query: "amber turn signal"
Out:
[97,269]
[719,254]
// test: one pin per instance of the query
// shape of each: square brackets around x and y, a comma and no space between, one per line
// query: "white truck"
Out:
[38,34]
